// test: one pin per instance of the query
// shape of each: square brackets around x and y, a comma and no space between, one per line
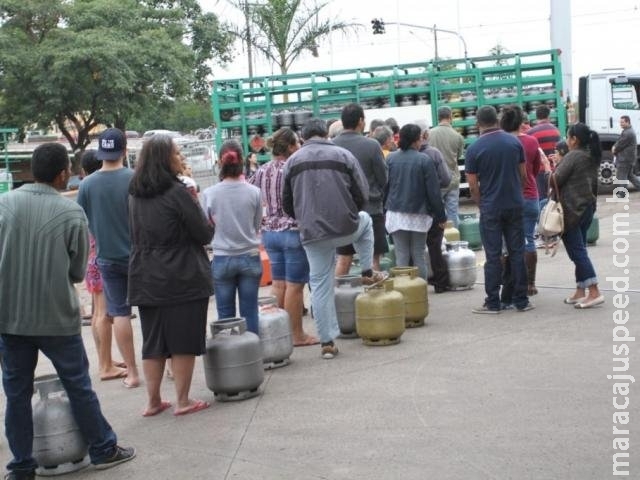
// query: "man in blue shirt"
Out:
[495,169]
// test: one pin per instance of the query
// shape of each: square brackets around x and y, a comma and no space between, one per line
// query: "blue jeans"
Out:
[286,255]
[451,201]
[530,215]
[575,243]
[321,255]
[69,358]
[410,246]
[494,225]
[239,273]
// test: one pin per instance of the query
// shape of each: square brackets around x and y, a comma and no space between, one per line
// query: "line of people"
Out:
[309,205]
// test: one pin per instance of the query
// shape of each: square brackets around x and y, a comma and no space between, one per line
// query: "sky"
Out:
[603,34]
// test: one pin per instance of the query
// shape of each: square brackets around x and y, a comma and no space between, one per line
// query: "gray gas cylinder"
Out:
[274,330]
[58,445]
[462,265]
[347,288]
[233,363]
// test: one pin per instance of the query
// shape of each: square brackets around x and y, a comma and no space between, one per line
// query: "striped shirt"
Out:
[269,178]
[547,135]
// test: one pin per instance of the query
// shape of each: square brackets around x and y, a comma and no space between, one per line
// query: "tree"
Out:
[498,51]
[282,30]
[90,62]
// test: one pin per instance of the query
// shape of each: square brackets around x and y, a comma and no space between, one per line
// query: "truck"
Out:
[251,109]
[603,97]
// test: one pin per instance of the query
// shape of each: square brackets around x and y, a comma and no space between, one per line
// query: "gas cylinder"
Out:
[380,314]
[451,233]
[274,330]
[594,230]
[347,288]
[469,227]
[58,445]
[233,363]
[414,292]
[462,266]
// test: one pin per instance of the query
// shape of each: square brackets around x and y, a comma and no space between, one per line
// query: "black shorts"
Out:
[380,244]
[174,329]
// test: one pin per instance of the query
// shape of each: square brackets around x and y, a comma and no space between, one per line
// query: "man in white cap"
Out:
[104,196]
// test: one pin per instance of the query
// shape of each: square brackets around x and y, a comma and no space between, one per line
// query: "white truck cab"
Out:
[603,97]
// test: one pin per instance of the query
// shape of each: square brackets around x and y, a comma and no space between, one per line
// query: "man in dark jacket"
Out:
[625,151]
[371,159]
[325,191]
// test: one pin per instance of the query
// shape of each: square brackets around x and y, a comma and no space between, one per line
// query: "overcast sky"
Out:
[604,34]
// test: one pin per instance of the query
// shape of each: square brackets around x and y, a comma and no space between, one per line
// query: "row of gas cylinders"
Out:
[235,358]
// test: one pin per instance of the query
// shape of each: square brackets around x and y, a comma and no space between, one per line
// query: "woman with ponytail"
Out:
[235,208]
[577,180]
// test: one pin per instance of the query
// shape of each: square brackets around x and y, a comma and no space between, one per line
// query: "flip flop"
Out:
[163,406]
[120,374]
[308,341]
[590,303]
[129,385]
[196,406]
[573,301]
[119,364]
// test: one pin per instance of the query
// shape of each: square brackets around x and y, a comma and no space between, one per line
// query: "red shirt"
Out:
[532,164]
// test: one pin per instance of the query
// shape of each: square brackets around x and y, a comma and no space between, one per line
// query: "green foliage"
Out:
[283,30]
[83,63]
[181,115]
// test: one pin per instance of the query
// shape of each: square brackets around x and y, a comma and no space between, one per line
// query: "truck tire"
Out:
[606,172]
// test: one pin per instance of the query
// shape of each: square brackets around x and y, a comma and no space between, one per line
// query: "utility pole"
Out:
[435,41]
[249,47]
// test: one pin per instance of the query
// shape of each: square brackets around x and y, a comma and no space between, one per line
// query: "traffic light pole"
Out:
[378,28]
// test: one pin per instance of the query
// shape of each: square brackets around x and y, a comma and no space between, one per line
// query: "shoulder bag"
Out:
[552,216]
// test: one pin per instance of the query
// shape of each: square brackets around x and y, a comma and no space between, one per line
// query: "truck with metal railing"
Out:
[250,109]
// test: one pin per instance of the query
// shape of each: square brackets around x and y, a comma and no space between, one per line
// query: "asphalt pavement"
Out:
[474,397]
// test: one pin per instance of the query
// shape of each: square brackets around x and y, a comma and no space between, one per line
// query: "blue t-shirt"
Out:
[104,196]
[496,157]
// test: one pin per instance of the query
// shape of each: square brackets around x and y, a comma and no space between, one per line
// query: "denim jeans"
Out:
[286,255]
[451,201]
[625,172]
[530,216]
[410,250]
[69,358]
[575,243]
[494,225]
[321,255]
[239,273]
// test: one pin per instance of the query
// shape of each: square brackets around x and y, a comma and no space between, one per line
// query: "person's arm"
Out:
[78,250]
[443,172]
[623,142]
[379,166]
[195,221]
[287,193]
[474,187]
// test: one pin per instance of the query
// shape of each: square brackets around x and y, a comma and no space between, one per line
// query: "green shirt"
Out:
[43,251]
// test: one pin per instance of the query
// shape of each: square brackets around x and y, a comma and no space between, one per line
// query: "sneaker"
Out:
[526,308]
[506,306]
[329,350]
[20,475]
[376,277]
[121,455]
[485,309]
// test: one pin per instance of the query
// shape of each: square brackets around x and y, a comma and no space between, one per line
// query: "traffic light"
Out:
[378,26]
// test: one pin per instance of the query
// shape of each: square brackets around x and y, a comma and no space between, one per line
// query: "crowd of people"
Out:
[139,237]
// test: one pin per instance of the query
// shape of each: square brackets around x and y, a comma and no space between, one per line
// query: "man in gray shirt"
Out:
[371,159]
